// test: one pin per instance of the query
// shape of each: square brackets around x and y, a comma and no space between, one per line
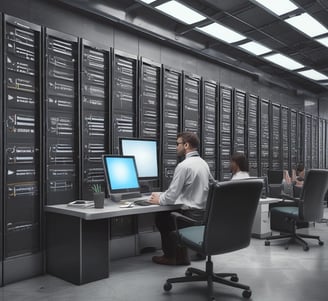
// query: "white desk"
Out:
[261,225]
[78,239]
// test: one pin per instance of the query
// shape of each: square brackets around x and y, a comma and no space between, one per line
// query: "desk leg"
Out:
[77,250]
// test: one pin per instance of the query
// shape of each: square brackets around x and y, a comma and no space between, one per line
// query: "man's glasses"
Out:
[180,143]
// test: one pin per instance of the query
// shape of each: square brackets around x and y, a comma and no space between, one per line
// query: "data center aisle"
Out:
[272,272]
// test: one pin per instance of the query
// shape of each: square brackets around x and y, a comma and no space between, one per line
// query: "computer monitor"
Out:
[145,152]
[121,177]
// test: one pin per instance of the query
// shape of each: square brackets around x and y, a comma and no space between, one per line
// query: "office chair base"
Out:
[193,274]
[293,237]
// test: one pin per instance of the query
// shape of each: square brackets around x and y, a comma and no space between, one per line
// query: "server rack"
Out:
[21,145]
[225,129]
[285,138]
[293,139]
[326,143]
[322,143]
[264,136]
[209,135]
[253,130]
[1,151]
[315,142]
[170,108]
[190,120]
[301,138]
[308,140]
[239,122]
[275,129]
[61,109]
[150,84]
[95,90]
[124,96]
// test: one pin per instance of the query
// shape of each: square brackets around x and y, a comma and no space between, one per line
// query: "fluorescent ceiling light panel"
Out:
[180,12]
[323,41]
[307,24]
[283,61]
[221,32]
[279,7]
[147,1]
[312,74]
[255,48]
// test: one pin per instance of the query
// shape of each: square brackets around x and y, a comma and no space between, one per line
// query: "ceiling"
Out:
[245,17]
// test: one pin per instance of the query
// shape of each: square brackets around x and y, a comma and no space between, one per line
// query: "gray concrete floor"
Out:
[272,272]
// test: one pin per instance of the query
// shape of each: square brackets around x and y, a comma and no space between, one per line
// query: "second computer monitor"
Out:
[145,152]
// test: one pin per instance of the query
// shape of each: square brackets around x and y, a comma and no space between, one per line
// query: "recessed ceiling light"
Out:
[255,48]
[221,32]
[313,74]
[279,7]
[181,12]
[323,41]
[283,61]
[147,1]
[307,24]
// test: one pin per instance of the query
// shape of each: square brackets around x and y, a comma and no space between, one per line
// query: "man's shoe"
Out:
[164,260]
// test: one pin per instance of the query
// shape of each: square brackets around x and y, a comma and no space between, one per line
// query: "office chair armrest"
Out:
[289,198]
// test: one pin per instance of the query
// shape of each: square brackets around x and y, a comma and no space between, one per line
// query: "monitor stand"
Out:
[117,197]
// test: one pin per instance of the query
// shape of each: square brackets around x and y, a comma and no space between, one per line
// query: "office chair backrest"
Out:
[314,189]
[231,208]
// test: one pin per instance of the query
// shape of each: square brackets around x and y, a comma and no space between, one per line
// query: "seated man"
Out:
[189,186]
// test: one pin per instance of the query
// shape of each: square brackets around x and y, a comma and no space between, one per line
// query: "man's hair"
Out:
[240,160]
[189,137]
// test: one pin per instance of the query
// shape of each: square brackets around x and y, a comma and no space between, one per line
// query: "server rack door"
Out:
[275,129]
[61,118]
[308,140]
[315,142]
[191,103]
[1,150]
[209,125]
[150,80]
[285,138]
[264,137]
[124,95]
[326,144]
[301,137]
[322,148]
[225,129]
[21,141]
[95,122]
[239,122]
[293,139]
[253,135]
[171,98]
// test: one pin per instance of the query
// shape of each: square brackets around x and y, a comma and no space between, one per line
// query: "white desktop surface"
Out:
[111,209]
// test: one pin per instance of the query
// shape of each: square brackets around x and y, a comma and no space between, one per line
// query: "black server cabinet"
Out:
[322,143]
[326,143]
[293,139]
[239,136]
[21,139]
[285,138]
[252,129]
[95,90]
[315,142]
[264,136]
[61,124]
[171,98]
[307,141]
[190,120]
[301,138]
[225,129]
[209,131]
[275,129]
[150,81]
[1,151]
[124,95]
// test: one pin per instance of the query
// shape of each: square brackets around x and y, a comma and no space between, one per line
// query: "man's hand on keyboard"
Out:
[154,198]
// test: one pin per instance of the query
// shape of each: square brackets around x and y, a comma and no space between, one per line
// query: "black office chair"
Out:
[308,208]
[229,216]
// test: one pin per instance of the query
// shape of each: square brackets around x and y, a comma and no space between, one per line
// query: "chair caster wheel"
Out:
[167,286]
[306,248]
[247,294]
[234,279]
[321,243]
[188,273]
[267,243]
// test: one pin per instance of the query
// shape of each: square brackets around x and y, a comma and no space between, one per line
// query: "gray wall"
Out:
[60,17]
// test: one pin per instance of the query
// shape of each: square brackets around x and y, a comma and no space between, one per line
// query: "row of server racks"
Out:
[66,101]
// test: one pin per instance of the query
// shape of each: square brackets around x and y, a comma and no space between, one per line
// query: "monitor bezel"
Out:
[141,178]
[108,182]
